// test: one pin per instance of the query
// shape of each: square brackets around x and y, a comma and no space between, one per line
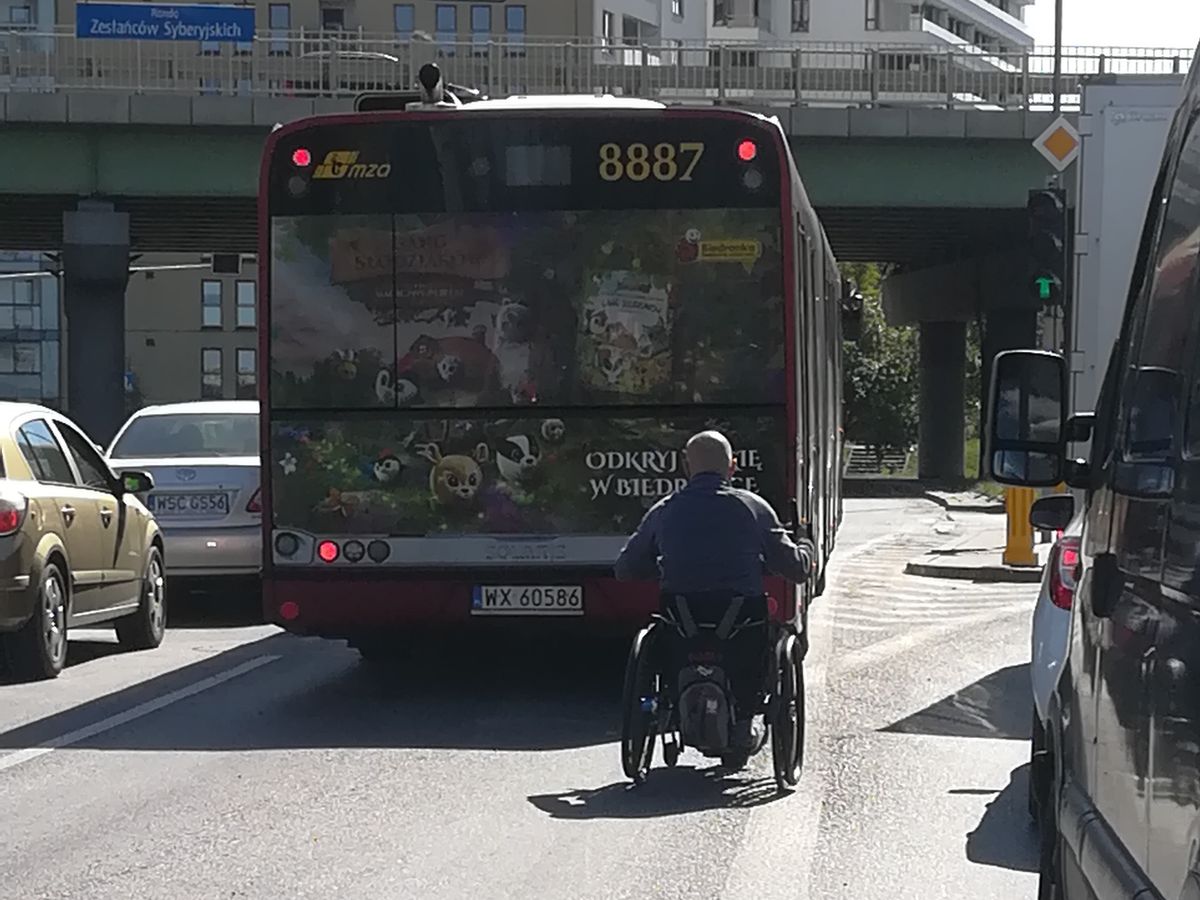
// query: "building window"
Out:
[481,25]
[406,19]
[333,18]
[279,19]
[800,15]
[872,15]
[677,8]
[210,374]
[246,299]
[21,16]
[210,304]
[247,374]
[445,26]
[514,26]
[606,28]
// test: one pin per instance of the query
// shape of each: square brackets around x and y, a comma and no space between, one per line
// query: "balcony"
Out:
[742,19]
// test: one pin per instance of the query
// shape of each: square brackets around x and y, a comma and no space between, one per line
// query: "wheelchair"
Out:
[677,670]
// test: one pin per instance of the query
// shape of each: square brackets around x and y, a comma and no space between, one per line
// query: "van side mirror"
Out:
[1026,421]
[1052,513]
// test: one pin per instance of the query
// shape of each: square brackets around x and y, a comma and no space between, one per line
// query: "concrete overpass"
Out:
[893,185]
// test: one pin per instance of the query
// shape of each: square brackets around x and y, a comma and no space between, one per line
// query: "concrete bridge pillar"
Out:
[940,431]
[95,269]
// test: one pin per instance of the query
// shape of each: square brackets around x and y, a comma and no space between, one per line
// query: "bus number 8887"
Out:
[639,162]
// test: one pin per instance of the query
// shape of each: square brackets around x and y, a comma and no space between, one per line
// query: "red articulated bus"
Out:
[490,328]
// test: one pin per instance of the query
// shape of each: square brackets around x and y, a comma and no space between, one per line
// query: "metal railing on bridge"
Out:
[345,64]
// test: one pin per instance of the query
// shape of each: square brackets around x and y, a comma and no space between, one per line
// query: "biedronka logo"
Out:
[345,164]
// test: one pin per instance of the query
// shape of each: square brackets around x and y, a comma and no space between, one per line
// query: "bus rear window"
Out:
[481,261]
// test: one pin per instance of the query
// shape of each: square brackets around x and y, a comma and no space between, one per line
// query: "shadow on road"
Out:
[1005,837]
[498,695]
[997,706]
[667,792]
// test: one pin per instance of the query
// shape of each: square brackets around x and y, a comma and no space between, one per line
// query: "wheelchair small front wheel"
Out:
[787,724]
[639,707]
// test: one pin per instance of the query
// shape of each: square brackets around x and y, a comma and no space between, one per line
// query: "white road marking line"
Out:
[884,650]
[782,836]
[142,709]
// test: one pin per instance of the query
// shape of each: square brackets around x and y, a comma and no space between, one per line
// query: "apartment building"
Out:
[191,329]
[30,330]
[992,25]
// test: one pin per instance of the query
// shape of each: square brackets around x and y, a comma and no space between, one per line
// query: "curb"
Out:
[993,508]
[991,574]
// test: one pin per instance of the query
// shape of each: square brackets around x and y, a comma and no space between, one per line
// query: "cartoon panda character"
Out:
[518,456]
[448,367]
[387,467]
[346,366]
[454,481]
[406,391]
[385,388]
[553,431]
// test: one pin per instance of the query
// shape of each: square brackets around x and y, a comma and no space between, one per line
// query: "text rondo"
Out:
[156,22]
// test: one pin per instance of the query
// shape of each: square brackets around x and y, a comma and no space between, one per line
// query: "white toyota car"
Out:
[203,457]
[1051,637]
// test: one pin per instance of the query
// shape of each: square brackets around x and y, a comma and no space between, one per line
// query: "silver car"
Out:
[203,457]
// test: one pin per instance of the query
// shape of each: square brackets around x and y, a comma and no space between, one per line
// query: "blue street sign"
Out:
[158,22]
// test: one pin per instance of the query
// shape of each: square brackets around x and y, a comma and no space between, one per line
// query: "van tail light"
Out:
[13,508]
[1064,569]
[255,504]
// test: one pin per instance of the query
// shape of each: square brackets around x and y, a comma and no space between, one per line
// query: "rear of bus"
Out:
[490,333]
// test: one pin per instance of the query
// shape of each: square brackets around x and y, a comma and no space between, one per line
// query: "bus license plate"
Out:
[527,600]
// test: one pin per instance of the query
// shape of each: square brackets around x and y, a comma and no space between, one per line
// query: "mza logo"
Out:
[345,164]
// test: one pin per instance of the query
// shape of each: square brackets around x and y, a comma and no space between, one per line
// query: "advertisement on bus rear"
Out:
[629,308]
[518,373]
[593,474]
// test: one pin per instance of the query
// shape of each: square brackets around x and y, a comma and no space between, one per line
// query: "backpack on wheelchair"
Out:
[705,662]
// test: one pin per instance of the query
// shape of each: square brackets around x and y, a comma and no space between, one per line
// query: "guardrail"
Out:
[344,65]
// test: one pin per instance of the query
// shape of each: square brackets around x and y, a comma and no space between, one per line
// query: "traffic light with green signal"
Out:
[1047,211]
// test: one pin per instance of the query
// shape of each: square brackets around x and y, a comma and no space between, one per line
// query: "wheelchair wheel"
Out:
[787,725]
[639,725]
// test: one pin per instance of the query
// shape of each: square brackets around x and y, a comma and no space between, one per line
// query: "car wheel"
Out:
[144,629]
[39,649]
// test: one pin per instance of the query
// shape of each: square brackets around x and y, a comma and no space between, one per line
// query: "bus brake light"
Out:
[747,151]
[328,551]
[301,157]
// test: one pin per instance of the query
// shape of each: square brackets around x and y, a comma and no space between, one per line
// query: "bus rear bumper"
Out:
[345,608]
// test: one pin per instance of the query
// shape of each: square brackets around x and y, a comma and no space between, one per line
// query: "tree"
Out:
[880,371]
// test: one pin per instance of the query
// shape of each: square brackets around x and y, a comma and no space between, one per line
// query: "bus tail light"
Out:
[301,158]
[287,544]
[747,151]
[289,610]
[327,550]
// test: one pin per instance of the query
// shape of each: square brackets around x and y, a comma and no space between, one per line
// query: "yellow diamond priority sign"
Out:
[1059,144]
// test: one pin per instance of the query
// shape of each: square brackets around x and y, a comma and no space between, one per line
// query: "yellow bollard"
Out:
[1018,551]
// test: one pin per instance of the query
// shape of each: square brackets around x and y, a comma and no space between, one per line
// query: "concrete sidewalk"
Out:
[976,553]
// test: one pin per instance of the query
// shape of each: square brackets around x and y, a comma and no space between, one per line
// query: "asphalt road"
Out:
[237,762]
